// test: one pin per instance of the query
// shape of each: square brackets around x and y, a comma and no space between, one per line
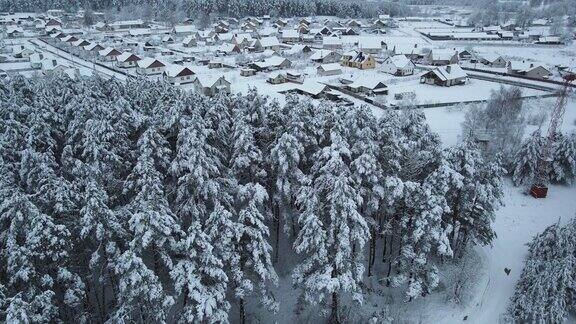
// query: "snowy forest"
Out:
[139,202]
[232,8]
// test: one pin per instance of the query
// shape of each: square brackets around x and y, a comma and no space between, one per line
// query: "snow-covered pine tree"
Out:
[366,171]
[152,223]
[36,256]
[545,291]
[141,297]
[333,232]
[198,169]
[526,160]
[252,267]
[199,278]
[563,166]
[420,147]
[423,237]
[285,159]
[473,196]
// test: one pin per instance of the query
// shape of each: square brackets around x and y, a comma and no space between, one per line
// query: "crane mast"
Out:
[540,188]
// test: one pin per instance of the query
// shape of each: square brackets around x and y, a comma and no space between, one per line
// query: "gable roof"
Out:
[149,62]
[449,72]
[368,83]
[321,54]
[399,60]
[109,51]
[127,56]
[207,81]
[176,70]
[330,67]
[269,41]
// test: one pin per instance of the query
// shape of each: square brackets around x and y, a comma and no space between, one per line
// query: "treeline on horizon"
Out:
[233,8]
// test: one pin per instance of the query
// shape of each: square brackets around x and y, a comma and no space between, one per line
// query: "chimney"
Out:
[448,68]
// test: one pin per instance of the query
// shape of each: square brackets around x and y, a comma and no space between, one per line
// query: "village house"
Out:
[298,49]
[528,69]
[368,86]
[271,63]
[189,41]
[349,32]
[372,45]
[168,39]
[93,47]
[128,24]
[178,74]
[398,65]
[465,55]
[550,40]
[109,54]
[492,60]
[150,66]
[69,39]
[265,43]
[228,49]
[127,60]
[331,43]
[442,57]
[52,22]
[81,43]
[313,89]
[277,78]
[361,60]
[354,24]
[242,40]
[51,65]
[14,32]
[329,69]
[102,26]
[21,51]
[210,85]
[325,56]
[267,32]
[247,72]
[290,36]
[445,76]
[184,30]
[36,60]
[411,51]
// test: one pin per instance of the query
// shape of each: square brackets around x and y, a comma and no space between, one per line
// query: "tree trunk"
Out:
[242,311]
[384,248]
[334,319]
[276,211]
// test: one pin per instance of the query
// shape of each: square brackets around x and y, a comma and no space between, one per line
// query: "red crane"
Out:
[540,188]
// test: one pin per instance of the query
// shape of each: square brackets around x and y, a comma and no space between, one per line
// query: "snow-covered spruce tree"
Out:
[141,296]
[526,160]
[545,291]
[333,232]
[563,166]
[473,196]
